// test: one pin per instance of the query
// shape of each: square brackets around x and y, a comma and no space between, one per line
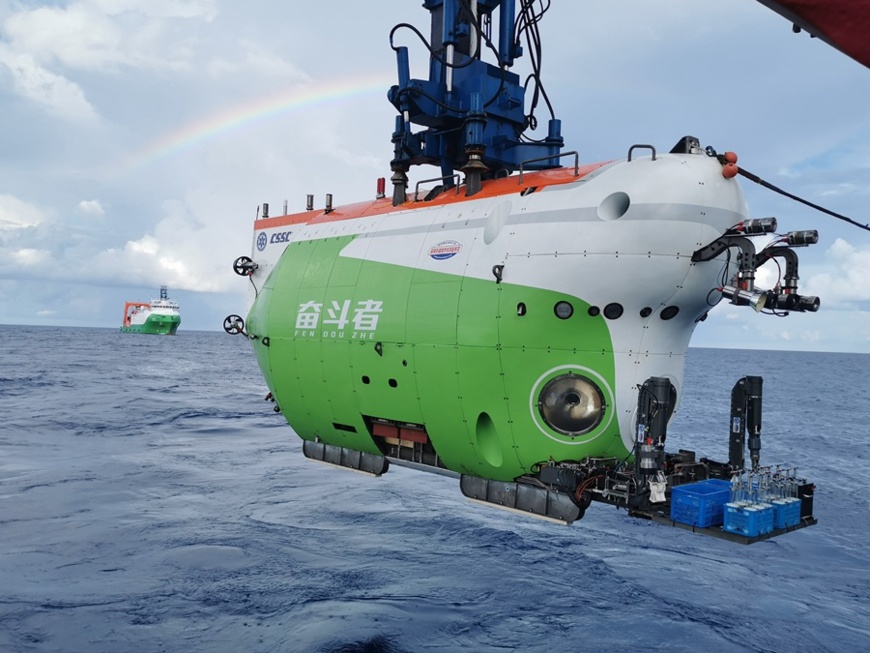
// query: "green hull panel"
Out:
[341,339]
[159,325]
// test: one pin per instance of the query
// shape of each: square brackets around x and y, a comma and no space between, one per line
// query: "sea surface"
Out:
[151,500]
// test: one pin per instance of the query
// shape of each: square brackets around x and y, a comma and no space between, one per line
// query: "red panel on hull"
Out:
[404,433]
[413,435]
[385,430]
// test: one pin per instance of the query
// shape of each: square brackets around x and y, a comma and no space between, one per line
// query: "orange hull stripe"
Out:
[491,188]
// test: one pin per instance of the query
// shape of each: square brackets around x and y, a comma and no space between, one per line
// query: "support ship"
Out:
[157,317]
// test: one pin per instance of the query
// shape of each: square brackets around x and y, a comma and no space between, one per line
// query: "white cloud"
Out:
[849,280]
[841,189]
[839,330]
[147,245]
[91,207]
[135,263]
[16,214]
[158,8]
[811,336]
[254,58]
[105,36]
[47,48]
[54,92]
[74,36]
[766,276]
[30,258]
[179,252]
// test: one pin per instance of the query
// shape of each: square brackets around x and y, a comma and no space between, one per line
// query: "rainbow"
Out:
[257,110]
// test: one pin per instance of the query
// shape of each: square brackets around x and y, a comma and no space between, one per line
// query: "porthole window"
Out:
[613,311]
[669,312]
[563,310]
[645,311]
[593,311]
[571,404]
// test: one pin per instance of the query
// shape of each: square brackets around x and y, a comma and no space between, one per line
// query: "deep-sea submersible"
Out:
[521,319]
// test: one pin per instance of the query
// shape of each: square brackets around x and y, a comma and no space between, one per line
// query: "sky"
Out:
[139,137]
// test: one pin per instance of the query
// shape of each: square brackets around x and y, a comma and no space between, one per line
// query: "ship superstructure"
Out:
[160,316]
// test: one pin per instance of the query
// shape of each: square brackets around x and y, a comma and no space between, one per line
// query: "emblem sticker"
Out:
[261,241]
[445,249]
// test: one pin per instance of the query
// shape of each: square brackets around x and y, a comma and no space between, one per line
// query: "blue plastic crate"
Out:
[749,519]
[786,512]
[700,504]
[743,519]
[716,482]
[767,515]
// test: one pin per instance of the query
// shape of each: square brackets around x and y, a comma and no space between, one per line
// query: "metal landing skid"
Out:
[521,498]
[365,463]
[358,461]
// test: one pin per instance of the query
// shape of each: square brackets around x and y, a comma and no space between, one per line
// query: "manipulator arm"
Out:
[740,288]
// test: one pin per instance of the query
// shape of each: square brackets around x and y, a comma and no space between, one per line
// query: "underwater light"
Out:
[802,238]
[793,302]
[757,226]
[772,300]
[738,297]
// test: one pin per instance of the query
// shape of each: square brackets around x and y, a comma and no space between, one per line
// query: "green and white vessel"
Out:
[159,317]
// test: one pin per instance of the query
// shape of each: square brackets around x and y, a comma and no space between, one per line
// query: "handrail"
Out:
[426,181]
[555,156]
[644,146]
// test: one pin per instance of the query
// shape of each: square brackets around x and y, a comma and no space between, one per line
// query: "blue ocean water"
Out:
[150,500]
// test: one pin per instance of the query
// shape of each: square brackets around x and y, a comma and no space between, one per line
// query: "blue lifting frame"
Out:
[473,112]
